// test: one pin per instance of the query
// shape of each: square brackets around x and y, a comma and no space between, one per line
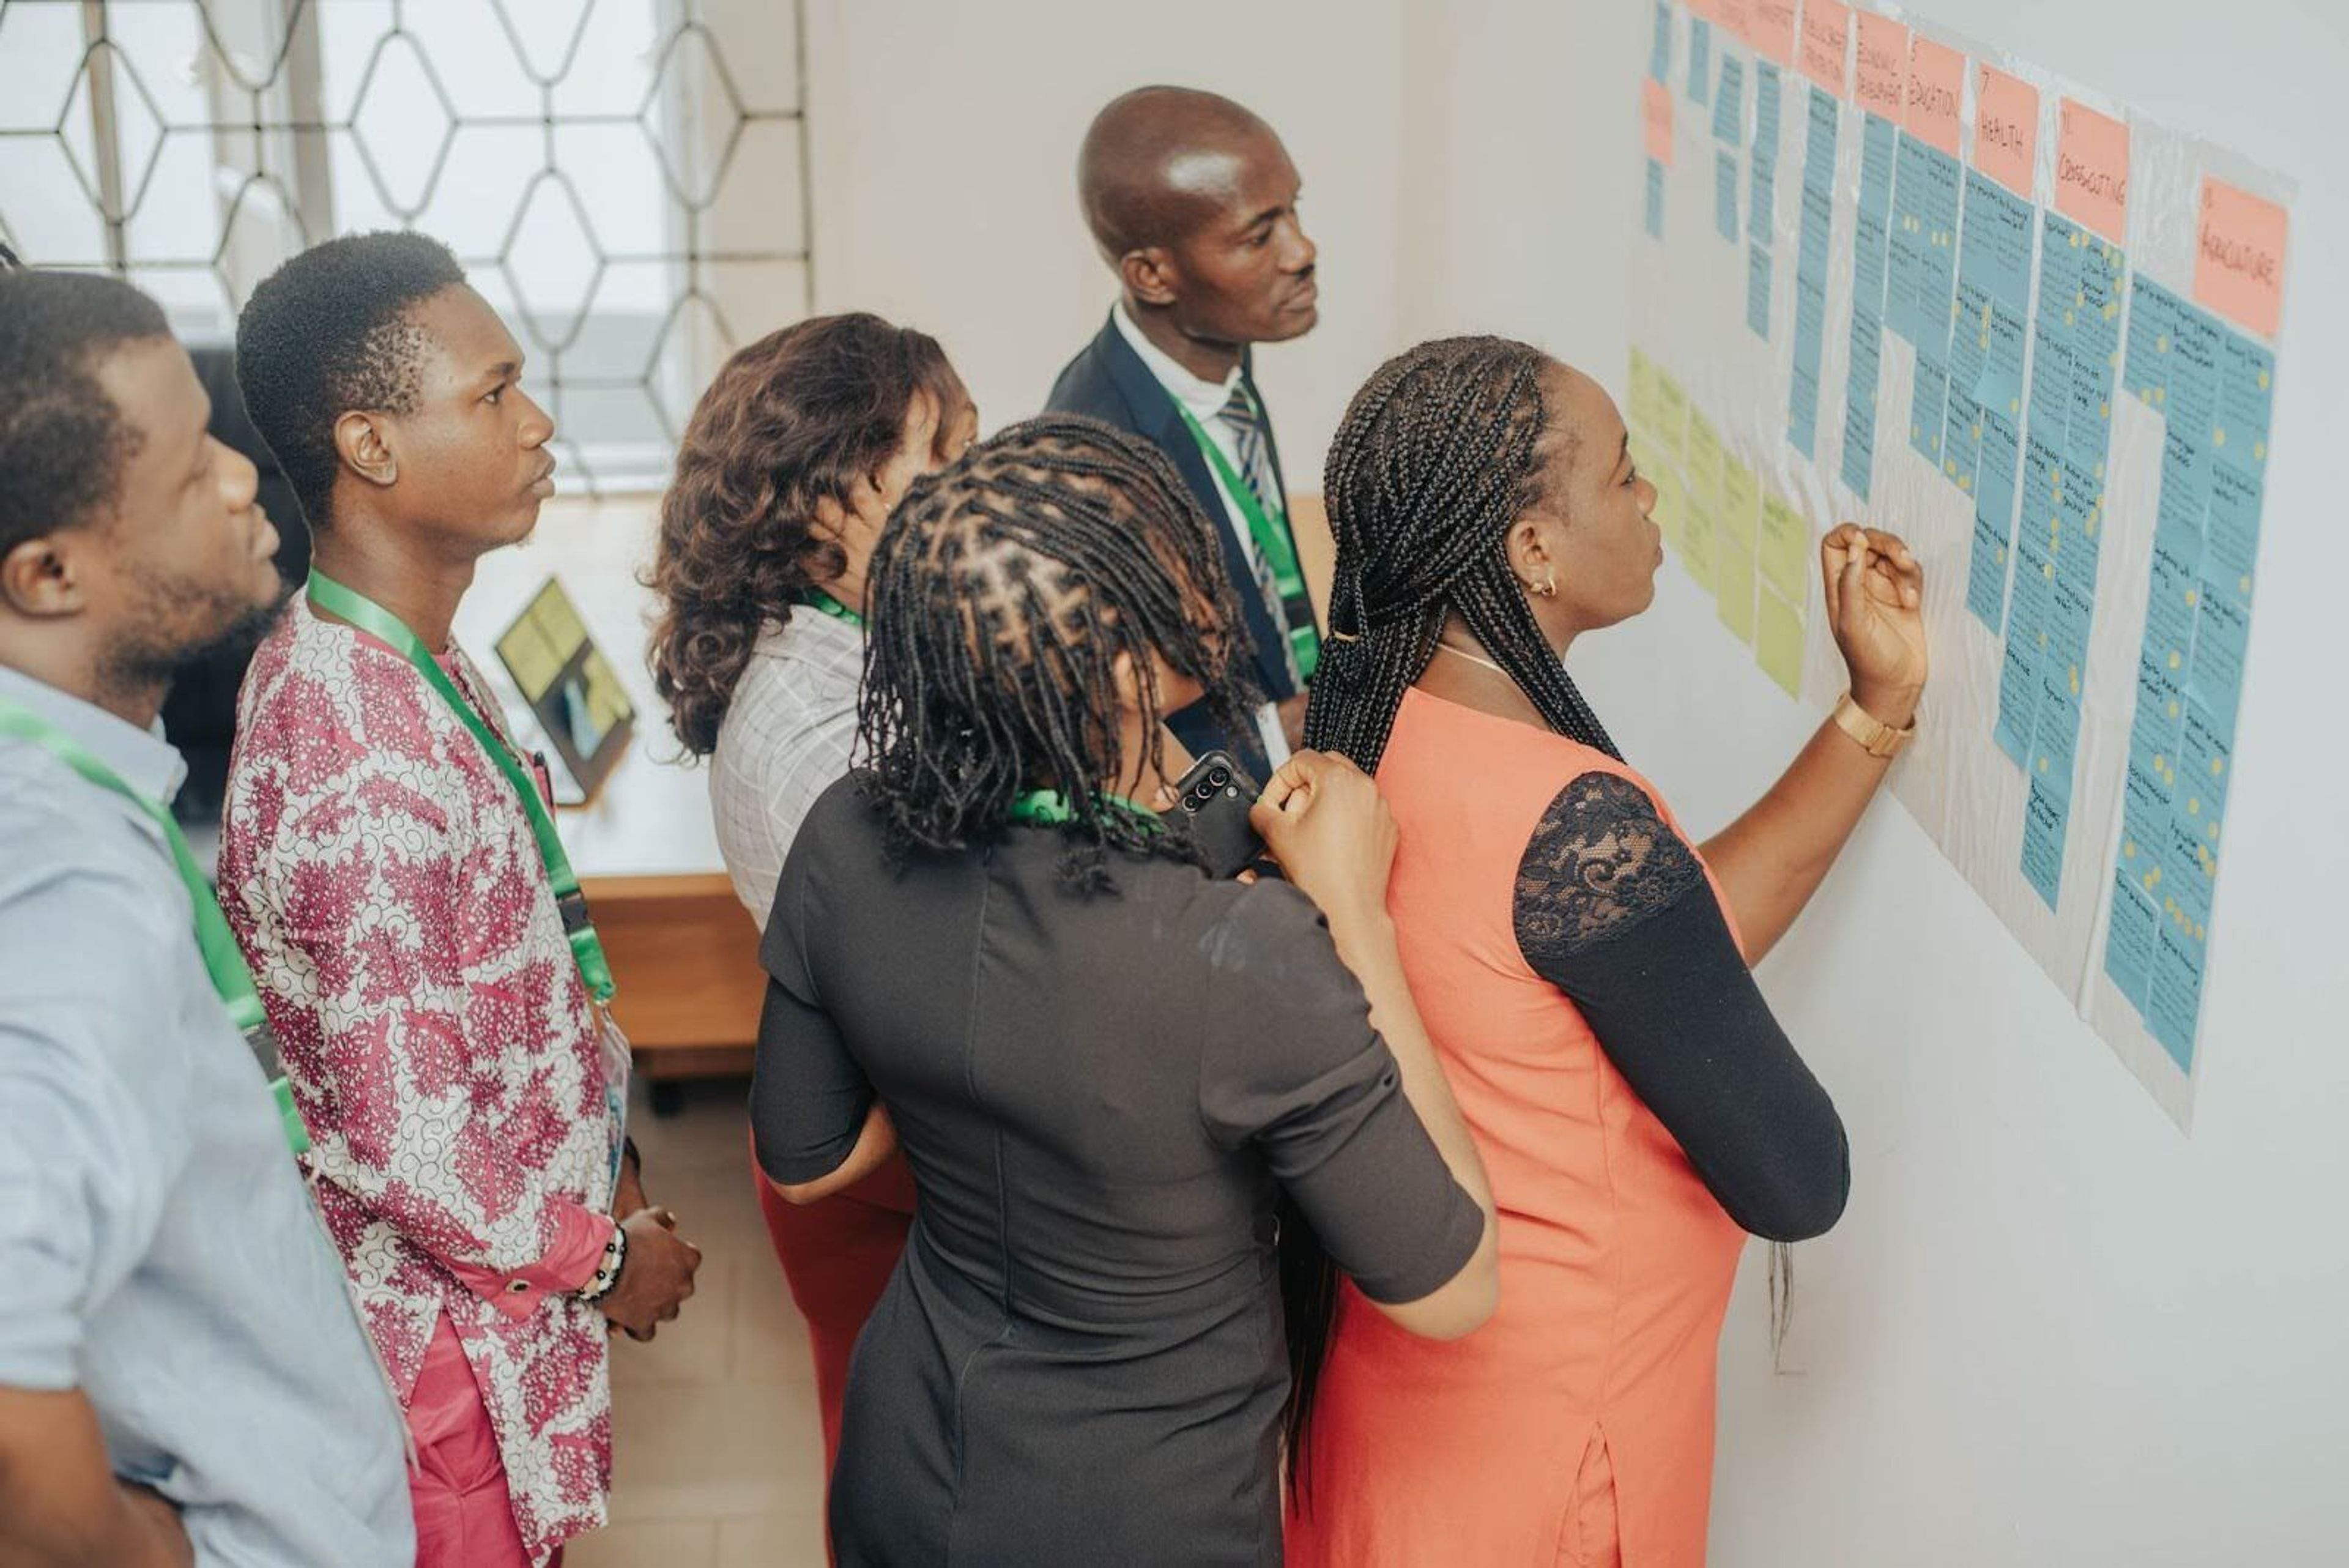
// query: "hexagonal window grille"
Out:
[629,229]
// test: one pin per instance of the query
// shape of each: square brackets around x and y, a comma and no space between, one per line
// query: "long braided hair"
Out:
[1440,452]
[1002,592]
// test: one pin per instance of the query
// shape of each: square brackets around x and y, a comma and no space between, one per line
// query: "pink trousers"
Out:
[465,1518]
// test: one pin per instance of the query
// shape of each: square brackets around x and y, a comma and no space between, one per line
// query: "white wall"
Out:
[2052,1330]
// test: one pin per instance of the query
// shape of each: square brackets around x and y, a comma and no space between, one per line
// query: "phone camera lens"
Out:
[1217,778]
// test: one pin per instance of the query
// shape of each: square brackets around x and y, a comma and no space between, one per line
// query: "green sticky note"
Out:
[1643,392]
[1672,416]
[1733,585]
[1741,502]
[1703,465]
[1778,641]
[1785,549]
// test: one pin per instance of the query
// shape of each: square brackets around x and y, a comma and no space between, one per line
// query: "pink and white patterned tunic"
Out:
[383,880]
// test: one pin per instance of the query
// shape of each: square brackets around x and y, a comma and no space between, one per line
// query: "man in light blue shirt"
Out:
[182,1376]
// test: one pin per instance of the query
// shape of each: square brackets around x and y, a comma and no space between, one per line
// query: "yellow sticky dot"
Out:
[2080,296]
[2161,344]
[2100,467]
[2245,583]
[2263,381]
[2079,238]
[2161,395]
[2002,554]
[2174,662]
[2043,764]
[2213,830]
[2173,701]
[1950,467]
[2218,437]
[2075,681]
[2260,450]
[2192,596]
[2198,931]
[2112,308]
[2193,805]
[2217,766]
[2104,410]
[2169,908]
[2050,570]
[1978,429]
[2152,879]
[2129,848]
[2014,405]
[1985,340]
[2070,318]
[2113,359]
[1966,483]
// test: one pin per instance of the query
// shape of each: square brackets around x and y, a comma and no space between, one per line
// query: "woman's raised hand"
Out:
[1326,825]
[1876,609]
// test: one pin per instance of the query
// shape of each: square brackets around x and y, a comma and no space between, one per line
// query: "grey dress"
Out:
[1080,1358]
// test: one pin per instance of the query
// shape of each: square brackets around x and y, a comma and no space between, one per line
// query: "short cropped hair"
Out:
[329,333]
[63,441]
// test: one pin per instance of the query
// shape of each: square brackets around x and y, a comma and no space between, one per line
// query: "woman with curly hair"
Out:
[791,462]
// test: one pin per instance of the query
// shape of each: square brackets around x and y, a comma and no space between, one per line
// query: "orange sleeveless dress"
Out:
[1576,1427]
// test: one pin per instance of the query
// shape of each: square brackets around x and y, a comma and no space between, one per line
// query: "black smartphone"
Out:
[1214,796]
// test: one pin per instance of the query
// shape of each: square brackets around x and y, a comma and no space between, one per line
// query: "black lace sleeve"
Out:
[1614,908]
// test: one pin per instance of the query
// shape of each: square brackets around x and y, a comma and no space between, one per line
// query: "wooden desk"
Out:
[683,949]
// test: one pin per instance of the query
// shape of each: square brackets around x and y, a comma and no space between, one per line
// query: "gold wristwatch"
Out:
[1875,737]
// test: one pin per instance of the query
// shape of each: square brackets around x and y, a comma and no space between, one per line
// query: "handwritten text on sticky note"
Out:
[2238,256]
[2092,170]
[1826,43]
[2006,129]
[1883,65]
[1937,81]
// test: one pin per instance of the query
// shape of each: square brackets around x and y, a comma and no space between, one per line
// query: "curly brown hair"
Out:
[799,416]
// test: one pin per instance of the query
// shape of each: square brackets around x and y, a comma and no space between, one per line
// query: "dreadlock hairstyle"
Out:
[1002,592]
[1440,452]
[1438,455]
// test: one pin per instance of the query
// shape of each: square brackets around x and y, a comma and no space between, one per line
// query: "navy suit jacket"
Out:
[1108,381]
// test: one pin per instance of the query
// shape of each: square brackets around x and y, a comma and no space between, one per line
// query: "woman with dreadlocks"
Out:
[1103,1066]
[1581,972]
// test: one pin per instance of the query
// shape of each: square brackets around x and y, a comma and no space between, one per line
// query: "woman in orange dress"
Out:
[1582,969]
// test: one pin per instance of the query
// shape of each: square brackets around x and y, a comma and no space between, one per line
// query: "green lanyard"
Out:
[817,599]
[224,960]
[1049,808]
[1275,541]
[373,618]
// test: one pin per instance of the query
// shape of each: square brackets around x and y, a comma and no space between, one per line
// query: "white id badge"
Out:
[612,1048]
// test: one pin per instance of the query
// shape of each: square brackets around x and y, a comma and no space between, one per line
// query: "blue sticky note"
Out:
[1660,52]
[2204,759]
[1986,576]
[1969,340]
[1700,72]
[2018,693]
[1961,438]
[2190,868]
[2043,471]
[2055,737]
[1928,406]
[2071,611]
[1819,147]
[2172,603]
[2174,994]
[2185,502]
[2043,820]
[2160,718]
[1757,291]
[1868,249]
[2050,405]
[2214,677]
[1860,403]
[2001,387]
[1729,103]
[2192,403]
[1725,195]
[1879,152]
[2130,943]
[1936,253]
[1655,200]
[2145,825]
[2232,525]
[2246,396]
[2152,323]
[2034,597]
[1905,252]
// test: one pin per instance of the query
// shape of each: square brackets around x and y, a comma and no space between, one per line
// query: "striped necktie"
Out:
[1290,608]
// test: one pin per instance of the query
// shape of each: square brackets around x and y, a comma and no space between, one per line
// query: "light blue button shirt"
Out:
[157,1251]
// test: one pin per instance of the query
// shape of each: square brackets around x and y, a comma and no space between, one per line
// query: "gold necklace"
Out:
[1475,659]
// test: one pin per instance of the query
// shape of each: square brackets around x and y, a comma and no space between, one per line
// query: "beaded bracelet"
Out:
[608,1273]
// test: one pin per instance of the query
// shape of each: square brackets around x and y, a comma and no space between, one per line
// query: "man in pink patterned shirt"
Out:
[385,877]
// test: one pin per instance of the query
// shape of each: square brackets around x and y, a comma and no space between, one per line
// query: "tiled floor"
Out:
[719,1460]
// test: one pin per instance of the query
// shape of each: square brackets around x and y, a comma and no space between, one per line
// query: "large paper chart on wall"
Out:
[1889,274]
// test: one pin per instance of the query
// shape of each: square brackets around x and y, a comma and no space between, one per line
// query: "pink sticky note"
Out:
[2006,129]
[1656,108]
[1883,66]
[1771,24]
[2092,170]
[2238,256]
[1826,44]
[1937,85]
